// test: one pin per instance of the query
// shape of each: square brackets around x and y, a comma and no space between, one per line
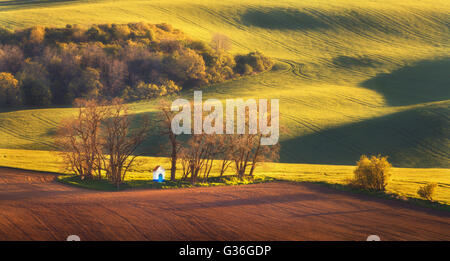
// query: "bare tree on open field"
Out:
[120,142]
[193,156]
[80,139]
[225,150]
[198,155]
[220,42]
[244,151]
[248,152]
[99,139]
[165,126]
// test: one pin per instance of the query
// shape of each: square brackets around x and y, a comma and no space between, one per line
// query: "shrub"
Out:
[145,91]
[11,58]
[9,90]
[95,34]
[185,65]
[255,60]
[88,85]
[427,191]
[35,85]
[165,27]
[5,35]
[36,92]
[372,173]
[37,34]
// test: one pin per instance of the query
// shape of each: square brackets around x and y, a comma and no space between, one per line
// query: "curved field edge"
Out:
[403,185]
[145,182]
[352,77]
[327,125]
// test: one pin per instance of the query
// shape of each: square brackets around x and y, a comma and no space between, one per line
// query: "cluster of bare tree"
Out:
[197,155]
[99,139]
[242,152]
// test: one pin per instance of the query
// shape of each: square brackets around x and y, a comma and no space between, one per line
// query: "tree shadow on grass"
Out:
[32,2]
[425,81]
[412,138]
[357,61]
[281,18]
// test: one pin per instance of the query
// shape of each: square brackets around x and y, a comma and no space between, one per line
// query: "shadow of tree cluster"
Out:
[32,2]
[359,61]
[281,18]
[425,81]
[411,138]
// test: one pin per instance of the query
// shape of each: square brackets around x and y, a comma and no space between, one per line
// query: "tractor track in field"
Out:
[26,137]
[35,207]
[21,134]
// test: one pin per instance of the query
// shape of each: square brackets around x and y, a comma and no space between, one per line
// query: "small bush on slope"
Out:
[372,173]
[427,191]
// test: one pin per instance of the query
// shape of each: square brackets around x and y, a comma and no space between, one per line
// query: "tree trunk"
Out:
[173,169]
[255,157]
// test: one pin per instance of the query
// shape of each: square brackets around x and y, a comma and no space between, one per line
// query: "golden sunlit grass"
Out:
[353,77]
[404,181]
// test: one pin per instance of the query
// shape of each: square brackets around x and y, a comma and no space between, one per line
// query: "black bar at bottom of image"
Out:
[215,250]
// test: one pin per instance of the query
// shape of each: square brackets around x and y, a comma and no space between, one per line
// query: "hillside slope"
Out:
[352,77]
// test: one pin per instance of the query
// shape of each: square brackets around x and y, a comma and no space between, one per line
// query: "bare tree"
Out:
[80,140]
[263,153]
[115,72]
[11,58]
[224,150]
[166,129]
[248,151]
[198,156]
[242,154]
[220,42]
[244,150]
[100,139]
[121,142]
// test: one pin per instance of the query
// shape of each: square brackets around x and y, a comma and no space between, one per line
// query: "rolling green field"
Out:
[353,77]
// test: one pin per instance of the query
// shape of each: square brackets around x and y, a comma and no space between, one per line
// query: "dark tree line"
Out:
[41,66]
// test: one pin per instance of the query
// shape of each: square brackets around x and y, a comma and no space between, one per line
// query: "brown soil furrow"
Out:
[35,207]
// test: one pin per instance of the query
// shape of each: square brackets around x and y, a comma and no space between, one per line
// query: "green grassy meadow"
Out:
[353,77]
